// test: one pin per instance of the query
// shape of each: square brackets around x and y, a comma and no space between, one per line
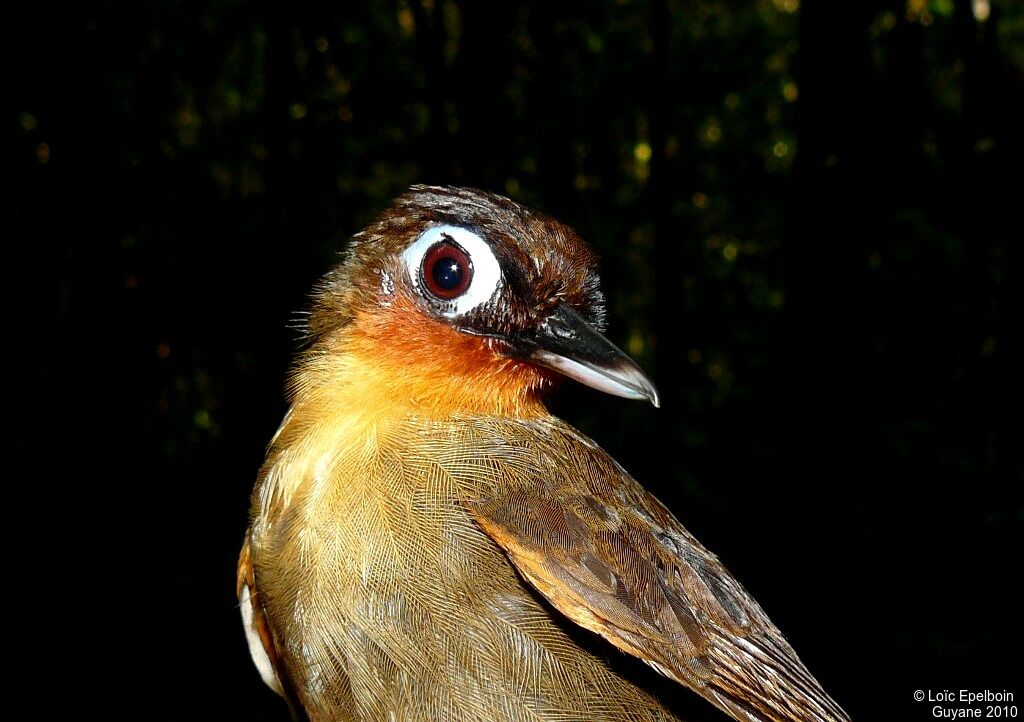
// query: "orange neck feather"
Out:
[398,357]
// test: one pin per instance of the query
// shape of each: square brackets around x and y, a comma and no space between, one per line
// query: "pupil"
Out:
[447,273]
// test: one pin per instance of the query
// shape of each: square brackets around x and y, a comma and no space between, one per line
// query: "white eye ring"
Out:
[486,271]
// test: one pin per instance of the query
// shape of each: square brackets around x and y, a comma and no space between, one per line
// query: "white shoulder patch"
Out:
[259,655]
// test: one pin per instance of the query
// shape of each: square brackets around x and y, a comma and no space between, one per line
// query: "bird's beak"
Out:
[568,344]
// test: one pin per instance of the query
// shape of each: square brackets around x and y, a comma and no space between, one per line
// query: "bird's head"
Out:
[459,299]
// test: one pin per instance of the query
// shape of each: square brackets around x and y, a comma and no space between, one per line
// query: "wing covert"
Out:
[609,556]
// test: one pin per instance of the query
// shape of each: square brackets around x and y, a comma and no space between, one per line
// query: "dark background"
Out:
[809,218]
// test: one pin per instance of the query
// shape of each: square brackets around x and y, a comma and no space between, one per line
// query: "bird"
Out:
[427,541]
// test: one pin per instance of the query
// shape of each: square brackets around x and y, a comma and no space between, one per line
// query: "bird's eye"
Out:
[453,269]
[447,270]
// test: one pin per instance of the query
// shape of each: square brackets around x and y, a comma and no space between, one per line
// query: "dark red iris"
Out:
[447,270]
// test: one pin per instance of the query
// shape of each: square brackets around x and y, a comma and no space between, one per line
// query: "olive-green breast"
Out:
[387,601]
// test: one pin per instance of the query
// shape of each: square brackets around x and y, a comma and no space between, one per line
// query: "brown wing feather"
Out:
[610,557]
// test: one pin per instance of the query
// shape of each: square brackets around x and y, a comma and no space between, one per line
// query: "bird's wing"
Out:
[257,631]
[610,557]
